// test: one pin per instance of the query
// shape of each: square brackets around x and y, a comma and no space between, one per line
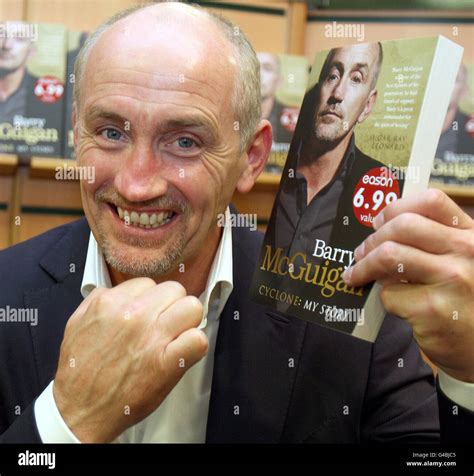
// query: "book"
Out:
[366,135]
[454,158]
[283,80]
[31,112]
[75,40]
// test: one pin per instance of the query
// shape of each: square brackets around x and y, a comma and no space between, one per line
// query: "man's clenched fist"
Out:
[125,349]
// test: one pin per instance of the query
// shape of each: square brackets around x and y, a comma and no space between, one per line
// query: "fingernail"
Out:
[347,275]
[359,251]
[378,222]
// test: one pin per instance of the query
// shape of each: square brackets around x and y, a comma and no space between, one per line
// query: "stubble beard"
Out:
[329,133]
[153,263]
[147,266]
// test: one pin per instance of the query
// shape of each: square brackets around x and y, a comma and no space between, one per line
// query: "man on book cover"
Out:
[15,81]
[31,109]
[316,197]
[314,207]
[454,157]
[272,109]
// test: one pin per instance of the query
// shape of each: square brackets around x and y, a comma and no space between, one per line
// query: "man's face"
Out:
[156,122]
[345,91]
[14,53]
[269,74]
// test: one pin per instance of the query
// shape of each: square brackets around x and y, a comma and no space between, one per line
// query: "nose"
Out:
[142,175]
[337,94]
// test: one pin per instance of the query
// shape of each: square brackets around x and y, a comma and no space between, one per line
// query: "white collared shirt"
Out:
[182,416]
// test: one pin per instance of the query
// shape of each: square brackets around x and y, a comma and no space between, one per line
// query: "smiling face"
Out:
[155,120]
[346,91]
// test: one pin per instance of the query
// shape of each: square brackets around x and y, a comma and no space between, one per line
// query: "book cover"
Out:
[32,74]
[454,158]
[75,40]
[366,135]
[283,80]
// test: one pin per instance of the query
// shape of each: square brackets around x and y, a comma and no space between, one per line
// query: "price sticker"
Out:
[375,190]
[49,89]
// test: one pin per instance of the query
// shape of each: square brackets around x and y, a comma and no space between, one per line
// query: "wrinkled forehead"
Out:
[162,54]
[363,54]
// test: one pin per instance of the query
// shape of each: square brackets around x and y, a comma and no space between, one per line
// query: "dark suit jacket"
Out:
[292,381]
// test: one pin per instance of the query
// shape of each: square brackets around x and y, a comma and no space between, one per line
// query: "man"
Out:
[324,169]
[16,83]
[272,109]
[316,200]
[146,360]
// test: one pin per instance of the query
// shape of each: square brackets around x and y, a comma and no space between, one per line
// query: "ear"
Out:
[368,106]
[75,126]
[256,154]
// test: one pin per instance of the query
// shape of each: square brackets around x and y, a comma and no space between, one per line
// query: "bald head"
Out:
[372,51]
[180,42]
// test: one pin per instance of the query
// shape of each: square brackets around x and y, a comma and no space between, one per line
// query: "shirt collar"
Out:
[96,274]
[299,179]
[346,162]
[219,282]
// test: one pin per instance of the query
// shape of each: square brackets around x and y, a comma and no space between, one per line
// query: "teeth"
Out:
[135,218]
[144,220]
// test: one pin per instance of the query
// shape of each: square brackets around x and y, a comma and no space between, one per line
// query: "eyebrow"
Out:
[176,123]
[192,122]
[336,64]
[98,113]
[362,67]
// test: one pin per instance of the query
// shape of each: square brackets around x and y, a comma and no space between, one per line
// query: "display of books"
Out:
[366,135]
[283,80]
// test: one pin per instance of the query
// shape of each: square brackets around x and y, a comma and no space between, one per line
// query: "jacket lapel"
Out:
[255,360]
[56,303]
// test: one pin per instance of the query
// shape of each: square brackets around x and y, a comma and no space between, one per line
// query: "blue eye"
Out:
[112,134]
[185,142]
